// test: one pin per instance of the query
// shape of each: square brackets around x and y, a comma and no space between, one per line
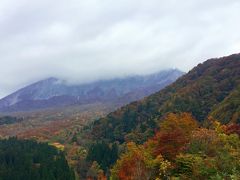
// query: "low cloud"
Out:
[81,41]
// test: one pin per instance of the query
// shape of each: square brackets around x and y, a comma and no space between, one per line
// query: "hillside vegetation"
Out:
[188,129]
[27,159]
[206,90]
[181,150]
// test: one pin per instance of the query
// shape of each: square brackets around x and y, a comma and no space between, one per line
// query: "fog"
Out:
[80,41]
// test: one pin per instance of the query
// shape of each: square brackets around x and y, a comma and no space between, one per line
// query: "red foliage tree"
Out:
[233,129]
[173,135]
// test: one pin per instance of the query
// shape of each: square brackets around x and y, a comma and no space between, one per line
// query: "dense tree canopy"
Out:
[209,91]
[103,153]
[28,160]
[211,88]
[9,120]
[200,153]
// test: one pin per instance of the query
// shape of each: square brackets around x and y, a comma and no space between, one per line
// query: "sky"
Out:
[86,40]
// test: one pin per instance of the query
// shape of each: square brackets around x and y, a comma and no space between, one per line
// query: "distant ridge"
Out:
[53,93]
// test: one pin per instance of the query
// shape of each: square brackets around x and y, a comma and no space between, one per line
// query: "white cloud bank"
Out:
[83,40]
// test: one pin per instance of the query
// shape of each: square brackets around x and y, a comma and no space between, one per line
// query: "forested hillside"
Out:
[182,150]
[9,120]
[206,90]
[229,108]
[27,160]
[188,129]
[182,131]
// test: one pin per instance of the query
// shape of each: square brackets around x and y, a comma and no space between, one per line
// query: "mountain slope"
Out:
[229,108]
[199,92]
[52,92]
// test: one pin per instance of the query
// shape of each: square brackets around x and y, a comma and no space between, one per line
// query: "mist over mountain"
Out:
[82,40]
[119,90]
[53,92]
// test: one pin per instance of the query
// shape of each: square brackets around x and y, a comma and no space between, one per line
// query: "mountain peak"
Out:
[53,92]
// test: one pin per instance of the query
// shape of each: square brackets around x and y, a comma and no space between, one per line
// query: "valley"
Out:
[45,124]
[46,120]
[60,125]
[101,139]
[119,90]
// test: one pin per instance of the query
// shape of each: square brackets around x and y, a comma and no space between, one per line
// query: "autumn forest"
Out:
[188,130]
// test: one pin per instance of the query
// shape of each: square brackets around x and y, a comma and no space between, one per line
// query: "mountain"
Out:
[53,92]
[209,89]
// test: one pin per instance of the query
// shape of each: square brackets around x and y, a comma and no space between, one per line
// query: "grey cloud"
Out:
[81,41]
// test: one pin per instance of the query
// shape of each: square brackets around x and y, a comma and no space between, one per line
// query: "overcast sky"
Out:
[84,40]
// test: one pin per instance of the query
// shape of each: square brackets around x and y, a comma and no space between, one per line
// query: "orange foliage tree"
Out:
[174,133]
[151,159]
[138,163]
[131,164]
